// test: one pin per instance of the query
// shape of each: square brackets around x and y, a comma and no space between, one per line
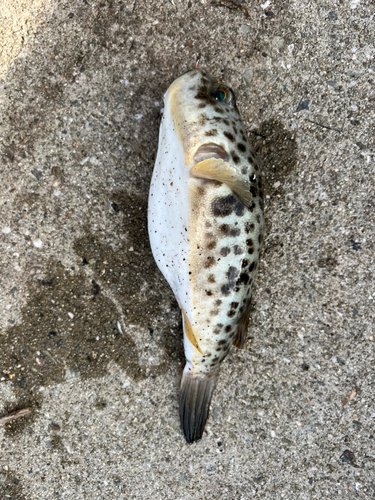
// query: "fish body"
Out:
[205,221]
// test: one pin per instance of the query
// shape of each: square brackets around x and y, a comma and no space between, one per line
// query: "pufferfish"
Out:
[205,223]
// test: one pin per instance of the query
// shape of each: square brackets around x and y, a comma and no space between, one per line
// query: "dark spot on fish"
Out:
[208,355]
[244,263]
[211,278]
[208,292]
[237,250]
[235,157]
[202,94]
[235,129]
[218,110]
[232,275]
[209,262]
[250,251]
[244,170]
[252,266]
[225,290]
[203,119]
[221,342]
[228,328]
[249,242]
[231,313]
[252,206]
[226,121]
[239,209]
[244,278]
[208,224]
[211,245]
[217,302]
[225,251]
[201,105]
[211,133]
[229,136]
[260,238]
[258,219]
[222,207]
[250,159]
[241,147]
[234,305]
[254,191]
[249,227]
[200,191]
[214,312]
[235,232]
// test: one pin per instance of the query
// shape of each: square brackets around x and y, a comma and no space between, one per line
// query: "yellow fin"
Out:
[189,332]
[217,169]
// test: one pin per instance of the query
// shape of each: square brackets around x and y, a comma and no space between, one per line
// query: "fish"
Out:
[206,229]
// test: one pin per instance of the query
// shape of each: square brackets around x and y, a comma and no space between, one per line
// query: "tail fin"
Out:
[195,398]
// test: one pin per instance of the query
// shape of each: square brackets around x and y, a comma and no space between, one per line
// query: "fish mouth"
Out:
[207,151]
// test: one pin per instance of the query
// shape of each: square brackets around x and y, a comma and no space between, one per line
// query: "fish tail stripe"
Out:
[195,398]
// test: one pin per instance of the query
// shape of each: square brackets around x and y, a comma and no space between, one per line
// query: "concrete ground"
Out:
[90,334]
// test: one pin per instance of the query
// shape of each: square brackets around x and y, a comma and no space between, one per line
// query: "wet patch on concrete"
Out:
[73,320]
[10,486]
[277,150]
[70,324]
[145,297]
[16,426]
[65,324]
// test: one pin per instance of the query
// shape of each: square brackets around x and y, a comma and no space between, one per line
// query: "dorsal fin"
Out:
[217,169]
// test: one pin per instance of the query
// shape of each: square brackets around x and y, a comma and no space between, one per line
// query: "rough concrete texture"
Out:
[91,334]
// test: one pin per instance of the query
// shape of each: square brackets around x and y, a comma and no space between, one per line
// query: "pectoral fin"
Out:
[188,329]
[217,169]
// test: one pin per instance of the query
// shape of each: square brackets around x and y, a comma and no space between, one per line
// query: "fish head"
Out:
[205,117]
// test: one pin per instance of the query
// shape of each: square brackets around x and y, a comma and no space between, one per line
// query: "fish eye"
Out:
[224,94]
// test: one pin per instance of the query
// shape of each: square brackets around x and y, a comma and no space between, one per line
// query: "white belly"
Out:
[168,212]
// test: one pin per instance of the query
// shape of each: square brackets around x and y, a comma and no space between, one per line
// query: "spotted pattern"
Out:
[211,133]
[228,234]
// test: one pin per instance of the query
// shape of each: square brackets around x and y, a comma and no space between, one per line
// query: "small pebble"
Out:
[37,174]
[55,427]
[347,457]
[303,105]
[332,16]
